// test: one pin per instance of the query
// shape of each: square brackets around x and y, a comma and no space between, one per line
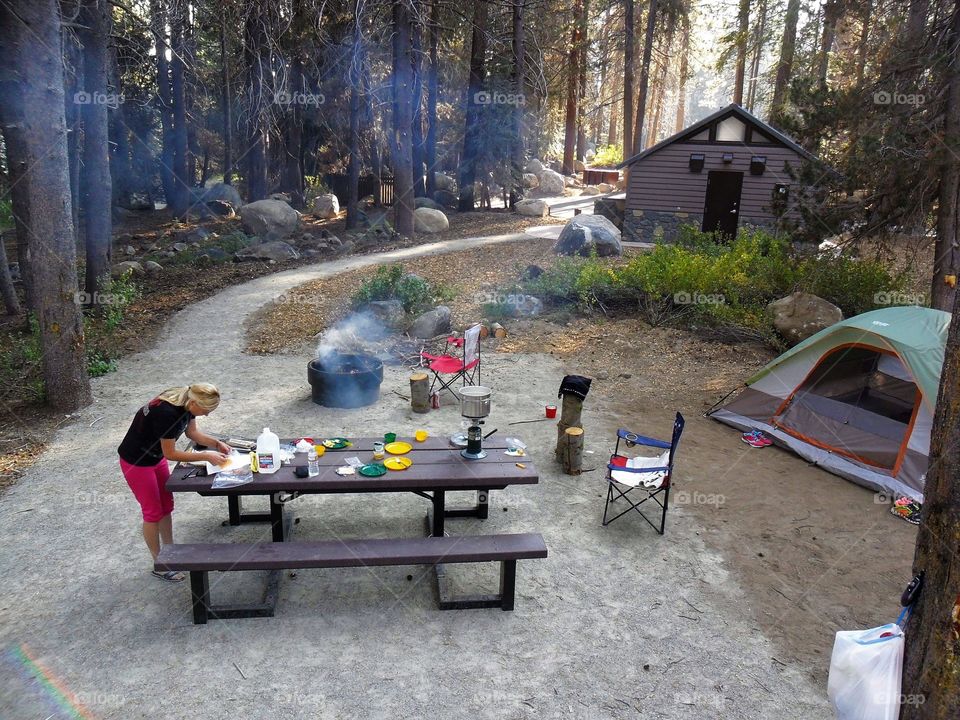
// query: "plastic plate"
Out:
[398,448]
[373,470]
[398,463]
[336,443]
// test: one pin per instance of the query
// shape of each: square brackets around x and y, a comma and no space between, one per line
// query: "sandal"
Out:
[170,575]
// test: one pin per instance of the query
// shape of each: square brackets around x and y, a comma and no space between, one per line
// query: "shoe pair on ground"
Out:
[756,438]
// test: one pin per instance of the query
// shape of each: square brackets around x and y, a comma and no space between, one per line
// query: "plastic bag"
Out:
[232,478]
[865,673]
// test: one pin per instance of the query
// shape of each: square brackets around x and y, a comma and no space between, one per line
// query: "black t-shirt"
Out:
[156,420]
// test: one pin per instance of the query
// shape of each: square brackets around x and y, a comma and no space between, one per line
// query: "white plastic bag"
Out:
[865,673]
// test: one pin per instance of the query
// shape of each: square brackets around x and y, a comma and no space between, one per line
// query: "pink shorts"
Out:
[149,485]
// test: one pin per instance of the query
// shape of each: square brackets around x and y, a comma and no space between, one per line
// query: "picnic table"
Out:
[437,468]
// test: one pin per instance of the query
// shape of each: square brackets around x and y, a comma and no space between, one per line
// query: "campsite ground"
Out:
[731,614]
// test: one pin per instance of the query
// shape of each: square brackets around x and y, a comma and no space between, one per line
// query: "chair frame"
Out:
[631,439]
[468,371]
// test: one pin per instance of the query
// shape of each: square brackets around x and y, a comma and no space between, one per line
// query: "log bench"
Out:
[200,559]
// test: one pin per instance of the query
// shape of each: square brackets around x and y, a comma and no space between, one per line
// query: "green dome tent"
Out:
[856,398]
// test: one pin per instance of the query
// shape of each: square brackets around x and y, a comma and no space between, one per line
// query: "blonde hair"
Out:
[203,394]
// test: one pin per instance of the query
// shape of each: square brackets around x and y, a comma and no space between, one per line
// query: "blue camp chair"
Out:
[644,475]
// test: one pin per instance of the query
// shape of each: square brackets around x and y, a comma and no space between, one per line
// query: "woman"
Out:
[151,441]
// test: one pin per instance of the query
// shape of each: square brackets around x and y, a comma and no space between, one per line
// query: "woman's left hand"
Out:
[224,448]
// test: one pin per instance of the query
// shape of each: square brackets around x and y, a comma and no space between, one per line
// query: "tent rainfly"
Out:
[857,398]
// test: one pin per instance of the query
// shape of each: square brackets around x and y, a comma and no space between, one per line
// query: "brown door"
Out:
[721,208]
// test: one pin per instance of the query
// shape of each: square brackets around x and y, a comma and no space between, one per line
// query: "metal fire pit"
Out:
[342,380]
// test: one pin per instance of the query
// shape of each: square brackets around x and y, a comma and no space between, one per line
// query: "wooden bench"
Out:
[201,559]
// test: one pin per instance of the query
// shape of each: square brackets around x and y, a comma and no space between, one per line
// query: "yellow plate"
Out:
[398,463]
[398,448]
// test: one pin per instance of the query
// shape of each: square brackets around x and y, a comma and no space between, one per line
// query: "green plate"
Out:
[374,470]
[336,443]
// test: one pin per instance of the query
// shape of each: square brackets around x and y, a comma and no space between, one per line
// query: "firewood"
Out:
[420,392]
[569,417]
[484,331]
[498,330]
[572,459]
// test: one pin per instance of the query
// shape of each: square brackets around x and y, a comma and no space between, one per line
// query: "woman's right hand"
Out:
[215,458]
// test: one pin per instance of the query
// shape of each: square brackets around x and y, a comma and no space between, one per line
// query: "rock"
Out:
[274,251]
[121,213]
[270,219]
[195,235]
[179,247]
[388,312]
[580,166]
[168,254]
[224,194]
[590,190]
[127,267]
[332,239]
[525,306]
[216,254]
[152,268]
[532,208]
[605,187]
[584,233]
[569,181]
[444,182]
[220,208]
[130,250]
[432,323]
[426,220]
[425,202]
[281,197]
[800,315]
[325,206]
[346,246]
[532,272]
[533,166]
[445,198]
[530,181]
[551,182]
[622,184]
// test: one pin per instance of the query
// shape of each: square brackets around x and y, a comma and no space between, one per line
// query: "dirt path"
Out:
[618,621]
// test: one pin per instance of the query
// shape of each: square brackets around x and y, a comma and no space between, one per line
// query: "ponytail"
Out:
[203,394]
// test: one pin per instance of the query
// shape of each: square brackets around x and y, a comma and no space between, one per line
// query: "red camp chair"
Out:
[466,367]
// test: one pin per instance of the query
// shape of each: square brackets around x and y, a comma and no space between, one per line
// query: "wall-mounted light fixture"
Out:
[696,162]
[758,163]
[727,158]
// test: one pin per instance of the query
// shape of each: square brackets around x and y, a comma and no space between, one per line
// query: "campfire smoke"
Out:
[358,333]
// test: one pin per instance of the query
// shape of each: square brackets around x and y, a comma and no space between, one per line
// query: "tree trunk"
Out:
[947,250]
[35,136]
[832,11]
[419,187]
[862,42]
[931,668]
[182,180]
[613,129]
[73,68]
[402,146]
[570,413]
[96,23]
[158,23]
[660,84]
[684,71]
[785,66]
[573,82]
[226,103]
[571,455]
[628,43]
[582,83]
[433,92]
[644,76]
[257,56]
[743,27]
[472,131]
[518,150]
[754,79]
[420,392]
[356,85]
[11,303]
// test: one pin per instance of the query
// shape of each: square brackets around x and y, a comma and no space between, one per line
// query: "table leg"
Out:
[233,509]
[277,528]
[439,500]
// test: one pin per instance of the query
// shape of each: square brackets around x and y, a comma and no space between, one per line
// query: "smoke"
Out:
[360,333]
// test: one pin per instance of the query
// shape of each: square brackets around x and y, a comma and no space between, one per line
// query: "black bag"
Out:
[575,385]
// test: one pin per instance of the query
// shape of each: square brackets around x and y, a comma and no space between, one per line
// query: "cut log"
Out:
[569,417]
[420,392]
[498,330]
[484,331]
[572,455]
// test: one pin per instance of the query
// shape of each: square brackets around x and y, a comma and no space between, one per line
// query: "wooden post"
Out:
[420,392]
[572,450]
[569,417]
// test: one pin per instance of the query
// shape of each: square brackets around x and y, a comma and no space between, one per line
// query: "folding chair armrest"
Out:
[642,439]
[623,468]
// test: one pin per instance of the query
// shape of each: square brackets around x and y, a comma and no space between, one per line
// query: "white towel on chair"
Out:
[651,480]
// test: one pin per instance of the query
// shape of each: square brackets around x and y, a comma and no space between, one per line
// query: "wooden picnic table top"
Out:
[436,466]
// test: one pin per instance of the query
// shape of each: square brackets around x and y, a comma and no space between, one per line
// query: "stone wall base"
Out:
[659,226]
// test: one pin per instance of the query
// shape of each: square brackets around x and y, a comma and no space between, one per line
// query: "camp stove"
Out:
[474,405]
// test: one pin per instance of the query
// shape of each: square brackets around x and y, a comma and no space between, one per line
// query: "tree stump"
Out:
[569,417]
[498,330]
[420,392]
[572,455]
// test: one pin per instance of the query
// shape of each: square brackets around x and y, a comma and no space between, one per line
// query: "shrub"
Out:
[390,283]
[608,156]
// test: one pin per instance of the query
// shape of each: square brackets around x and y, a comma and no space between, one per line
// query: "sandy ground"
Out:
[617,623]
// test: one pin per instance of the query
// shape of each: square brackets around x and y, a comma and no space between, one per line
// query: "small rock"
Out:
[128,267]
[552,182]
[325,206]
[800,315]
[221,193]
[590,190]
[273,251]
[605,187]
[130,250]
[179,247]
[530,180]
[215,254]
[532,208]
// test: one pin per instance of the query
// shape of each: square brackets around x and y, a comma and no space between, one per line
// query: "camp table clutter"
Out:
[434,469]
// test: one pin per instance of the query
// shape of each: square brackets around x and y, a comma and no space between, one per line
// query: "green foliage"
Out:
[703,281]
[118,294]
[98,365]
[6,213]
[608,156]
[237,240]
[390,283]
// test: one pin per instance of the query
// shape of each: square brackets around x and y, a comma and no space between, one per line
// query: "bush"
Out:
[390,283]
[608,156]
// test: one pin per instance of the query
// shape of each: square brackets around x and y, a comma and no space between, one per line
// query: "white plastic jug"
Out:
[268,452]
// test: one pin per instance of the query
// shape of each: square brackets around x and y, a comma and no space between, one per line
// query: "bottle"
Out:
[313,464]
[254,467]
[268,452]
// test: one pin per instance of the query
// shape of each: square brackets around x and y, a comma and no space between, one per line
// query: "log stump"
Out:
[420,392]
[572,454]
[569,417]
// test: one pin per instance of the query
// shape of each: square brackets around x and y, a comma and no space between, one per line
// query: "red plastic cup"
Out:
[551,411]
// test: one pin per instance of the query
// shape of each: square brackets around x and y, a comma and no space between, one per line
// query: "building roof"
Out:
[731,109]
